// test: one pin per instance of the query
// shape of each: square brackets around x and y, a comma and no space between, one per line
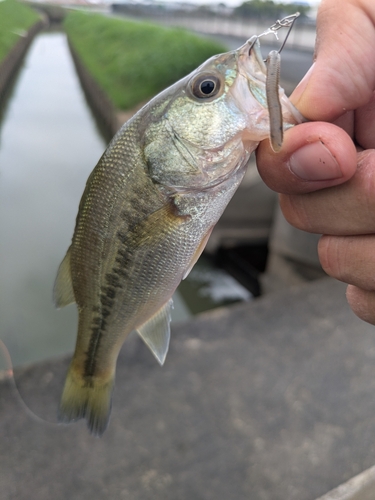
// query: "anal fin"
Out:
[63,293]
[156,332]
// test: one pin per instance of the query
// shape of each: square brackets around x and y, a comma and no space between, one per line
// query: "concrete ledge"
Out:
[361,487]
[270,400]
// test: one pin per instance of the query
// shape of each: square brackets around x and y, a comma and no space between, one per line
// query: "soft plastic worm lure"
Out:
[272,80]
[273,101]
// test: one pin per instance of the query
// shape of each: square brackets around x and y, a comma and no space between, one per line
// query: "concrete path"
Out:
[270,400]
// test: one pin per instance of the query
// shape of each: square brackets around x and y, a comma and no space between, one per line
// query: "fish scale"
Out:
[147,211]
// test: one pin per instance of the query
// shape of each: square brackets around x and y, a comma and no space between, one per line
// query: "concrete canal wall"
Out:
[110,117]
[103,107]
[13,60]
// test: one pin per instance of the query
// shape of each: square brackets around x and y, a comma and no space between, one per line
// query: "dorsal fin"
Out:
[156,332]
[63,293]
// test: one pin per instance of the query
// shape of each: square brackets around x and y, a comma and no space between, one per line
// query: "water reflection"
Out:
[49,143]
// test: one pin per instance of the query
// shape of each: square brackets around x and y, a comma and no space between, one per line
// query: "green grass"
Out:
[15,18]
[132,61]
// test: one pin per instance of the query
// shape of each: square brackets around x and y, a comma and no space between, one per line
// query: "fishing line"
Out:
[8,375]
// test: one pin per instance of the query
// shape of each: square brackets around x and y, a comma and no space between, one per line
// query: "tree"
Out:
[268,9]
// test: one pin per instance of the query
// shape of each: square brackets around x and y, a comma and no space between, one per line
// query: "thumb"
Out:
[343,76]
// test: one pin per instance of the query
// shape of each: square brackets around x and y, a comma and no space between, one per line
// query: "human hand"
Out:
[327,187]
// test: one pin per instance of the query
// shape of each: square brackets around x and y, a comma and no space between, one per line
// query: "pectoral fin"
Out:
[165,220]
[156,332]
[63,293]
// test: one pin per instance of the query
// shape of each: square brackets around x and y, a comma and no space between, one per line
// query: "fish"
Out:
[147,211]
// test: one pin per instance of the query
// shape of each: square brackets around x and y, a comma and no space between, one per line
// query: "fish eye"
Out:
[205,86]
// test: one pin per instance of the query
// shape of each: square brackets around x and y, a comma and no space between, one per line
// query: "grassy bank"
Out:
[15,19]
[132,61]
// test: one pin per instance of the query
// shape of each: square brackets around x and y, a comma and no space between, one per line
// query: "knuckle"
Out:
[366,175]
[294,211]
[327,251]
[334,257]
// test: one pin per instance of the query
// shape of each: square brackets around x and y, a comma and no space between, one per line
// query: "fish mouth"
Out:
[249,92]
[252,46]
[253,79]
[252,67]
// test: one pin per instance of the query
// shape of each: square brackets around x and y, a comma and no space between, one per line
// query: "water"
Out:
[49,143]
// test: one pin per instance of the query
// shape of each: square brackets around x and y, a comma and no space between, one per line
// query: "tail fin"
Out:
[90,399]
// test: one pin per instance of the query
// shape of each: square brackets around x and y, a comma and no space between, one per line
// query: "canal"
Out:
[49,143]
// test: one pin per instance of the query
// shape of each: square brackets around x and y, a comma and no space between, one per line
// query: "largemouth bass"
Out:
[147,211]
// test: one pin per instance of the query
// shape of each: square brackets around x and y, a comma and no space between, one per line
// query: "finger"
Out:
[314,156]
[346,122]
[362,303]
[365,124]
[350,259]
[342,77]
[347,209]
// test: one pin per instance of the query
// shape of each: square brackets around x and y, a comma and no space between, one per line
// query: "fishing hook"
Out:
[285,22]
